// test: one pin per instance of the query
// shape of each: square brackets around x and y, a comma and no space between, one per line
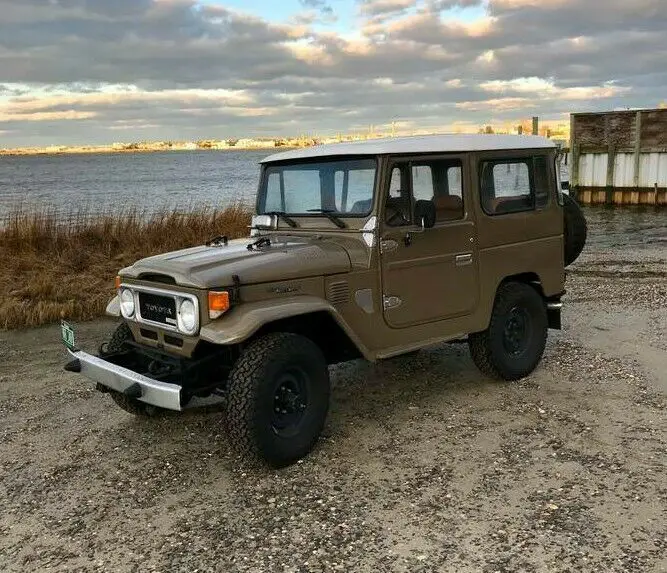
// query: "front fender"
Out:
[246,319]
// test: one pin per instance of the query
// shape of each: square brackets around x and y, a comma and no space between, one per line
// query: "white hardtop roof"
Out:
[417,144]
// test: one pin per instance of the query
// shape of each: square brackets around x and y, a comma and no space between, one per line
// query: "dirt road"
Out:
[425,464]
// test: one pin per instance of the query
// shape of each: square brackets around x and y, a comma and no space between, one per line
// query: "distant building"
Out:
[255,143]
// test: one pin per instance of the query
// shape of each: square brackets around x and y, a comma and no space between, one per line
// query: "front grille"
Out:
[157,308]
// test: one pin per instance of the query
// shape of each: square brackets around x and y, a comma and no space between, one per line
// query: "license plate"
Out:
[67,332]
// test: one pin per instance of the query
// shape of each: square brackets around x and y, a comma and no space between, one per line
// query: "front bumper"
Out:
[125,381]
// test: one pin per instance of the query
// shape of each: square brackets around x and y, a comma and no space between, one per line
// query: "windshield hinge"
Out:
[259,243]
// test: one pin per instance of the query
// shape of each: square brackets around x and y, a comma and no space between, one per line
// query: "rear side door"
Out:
[428,274]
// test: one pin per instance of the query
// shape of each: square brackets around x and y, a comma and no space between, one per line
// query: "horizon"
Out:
[90,73]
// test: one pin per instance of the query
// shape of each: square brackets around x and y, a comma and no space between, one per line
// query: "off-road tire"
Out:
[130,405]
[252,393]
[575,229]
[118,338]
[488,348]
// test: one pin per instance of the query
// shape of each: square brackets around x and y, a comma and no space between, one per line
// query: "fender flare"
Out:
[246,319]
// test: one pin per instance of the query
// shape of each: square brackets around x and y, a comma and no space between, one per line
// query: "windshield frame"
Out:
[267,170]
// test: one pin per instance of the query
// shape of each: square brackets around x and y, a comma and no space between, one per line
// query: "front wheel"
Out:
[278,398]
[513,344]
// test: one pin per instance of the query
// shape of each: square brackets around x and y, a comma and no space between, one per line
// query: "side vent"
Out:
[338,292]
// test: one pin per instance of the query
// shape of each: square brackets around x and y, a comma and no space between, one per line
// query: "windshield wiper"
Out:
[329,214]
[291,222]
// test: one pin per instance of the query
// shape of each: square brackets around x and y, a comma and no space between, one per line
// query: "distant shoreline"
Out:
[103,150]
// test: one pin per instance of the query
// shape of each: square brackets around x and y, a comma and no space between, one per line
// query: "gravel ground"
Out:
[425,465]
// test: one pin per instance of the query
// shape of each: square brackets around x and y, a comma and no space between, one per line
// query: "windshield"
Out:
[343,187]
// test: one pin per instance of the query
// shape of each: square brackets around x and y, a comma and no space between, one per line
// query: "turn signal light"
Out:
[218,303]
[117,282]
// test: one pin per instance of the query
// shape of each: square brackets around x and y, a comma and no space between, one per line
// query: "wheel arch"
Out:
[309,316]
[552,302]
[531,278]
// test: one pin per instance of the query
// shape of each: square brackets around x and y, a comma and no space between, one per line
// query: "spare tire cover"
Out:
[575,229]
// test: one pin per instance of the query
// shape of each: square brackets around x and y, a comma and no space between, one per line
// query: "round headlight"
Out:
[188,316]
[127,303]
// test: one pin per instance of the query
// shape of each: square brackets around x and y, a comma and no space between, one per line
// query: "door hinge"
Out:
[391,302]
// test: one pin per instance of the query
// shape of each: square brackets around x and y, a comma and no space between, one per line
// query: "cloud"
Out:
[384,7]
[89,69]
[319,5]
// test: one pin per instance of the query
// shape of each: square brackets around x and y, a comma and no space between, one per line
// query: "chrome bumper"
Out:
[126,381]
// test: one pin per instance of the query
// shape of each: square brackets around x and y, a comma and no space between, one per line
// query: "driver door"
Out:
[428,274]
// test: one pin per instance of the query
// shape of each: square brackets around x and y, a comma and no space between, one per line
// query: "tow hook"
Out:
[73,366]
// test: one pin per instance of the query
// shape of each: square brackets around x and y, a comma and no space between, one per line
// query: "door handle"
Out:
[463,260]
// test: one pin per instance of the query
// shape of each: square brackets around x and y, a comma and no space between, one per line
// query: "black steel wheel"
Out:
[513,344]
[290,401]
[517,331]
[278,398]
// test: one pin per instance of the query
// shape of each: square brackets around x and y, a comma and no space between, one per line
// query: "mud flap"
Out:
[554,315]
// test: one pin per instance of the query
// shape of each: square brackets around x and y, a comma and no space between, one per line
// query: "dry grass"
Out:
[54,266]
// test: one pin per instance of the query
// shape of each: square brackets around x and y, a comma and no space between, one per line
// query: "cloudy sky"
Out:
[98,71]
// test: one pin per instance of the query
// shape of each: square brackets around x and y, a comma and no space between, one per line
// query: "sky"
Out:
[102,71]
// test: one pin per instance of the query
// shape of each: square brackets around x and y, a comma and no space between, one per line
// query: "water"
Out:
[111,181]
[151,181]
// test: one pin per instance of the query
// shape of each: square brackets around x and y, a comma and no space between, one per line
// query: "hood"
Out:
[210,267]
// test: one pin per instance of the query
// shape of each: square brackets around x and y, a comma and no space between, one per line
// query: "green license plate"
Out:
[67,332]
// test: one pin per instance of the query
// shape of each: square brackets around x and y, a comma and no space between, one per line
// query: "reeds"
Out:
[55,265]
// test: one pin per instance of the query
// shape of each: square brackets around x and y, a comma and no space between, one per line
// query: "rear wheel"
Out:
[120,336]
[513,344]
[278,398]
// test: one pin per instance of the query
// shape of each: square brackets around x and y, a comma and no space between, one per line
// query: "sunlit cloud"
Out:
[547,89]
[84,70]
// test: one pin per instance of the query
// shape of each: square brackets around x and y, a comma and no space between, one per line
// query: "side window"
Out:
[440,181]
[422,182]
[541,182]
[395,185]
[397,209]
[506,186]
[454,179]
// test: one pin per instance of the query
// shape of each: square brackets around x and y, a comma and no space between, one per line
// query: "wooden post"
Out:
[611,164]
[638,147]
[536,125]
[574,169]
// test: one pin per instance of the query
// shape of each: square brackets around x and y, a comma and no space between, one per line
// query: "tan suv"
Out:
[357,250]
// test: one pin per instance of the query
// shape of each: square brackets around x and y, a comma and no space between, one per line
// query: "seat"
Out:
[361,206]
[510,204]
[448,207]
[397,211]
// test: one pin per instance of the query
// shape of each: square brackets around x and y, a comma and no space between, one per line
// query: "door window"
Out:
[397,209]
[440,181]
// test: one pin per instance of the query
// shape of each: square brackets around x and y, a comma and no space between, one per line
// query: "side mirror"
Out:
[425,213]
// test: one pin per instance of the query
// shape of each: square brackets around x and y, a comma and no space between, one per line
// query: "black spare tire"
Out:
[575,229]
